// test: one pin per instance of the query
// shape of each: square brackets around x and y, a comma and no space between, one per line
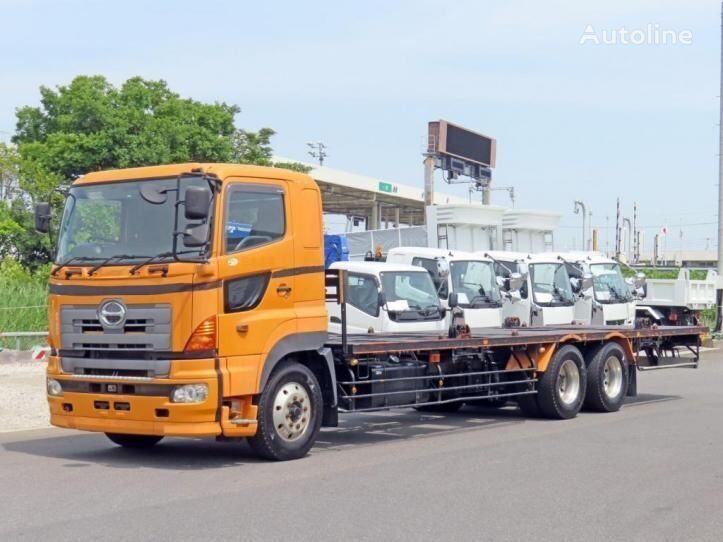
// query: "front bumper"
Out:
[144,408]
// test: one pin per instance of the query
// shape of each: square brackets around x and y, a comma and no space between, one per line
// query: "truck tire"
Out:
[528,405]
[289,413]
[607,379]
[134,441]
[561,388]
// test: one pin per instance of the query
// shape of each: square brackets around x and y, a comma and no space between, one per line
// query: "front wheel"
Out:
[561,388]
[134,441]
[289,414]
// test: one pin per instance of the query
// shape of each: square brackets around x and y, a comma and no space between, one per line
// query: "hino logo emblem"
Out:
[112,314]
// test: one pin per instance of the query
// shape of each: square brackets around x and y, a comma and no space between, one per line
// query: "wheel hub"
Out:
[612,379]
[568,382]
[292,411]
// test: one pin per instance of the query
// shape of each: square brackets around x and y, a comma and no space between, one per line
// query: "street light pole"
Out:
[580,206]
[719,289]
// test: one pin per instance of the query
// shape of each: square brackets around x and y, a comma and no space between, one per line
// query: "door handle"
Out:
[283,290]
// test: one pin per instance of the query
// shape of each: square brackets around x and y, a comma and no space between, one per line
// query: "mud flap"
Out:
[632,381]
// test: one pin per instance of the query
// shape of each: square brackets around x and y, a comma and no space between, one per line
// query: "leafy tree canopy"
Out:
[91,125]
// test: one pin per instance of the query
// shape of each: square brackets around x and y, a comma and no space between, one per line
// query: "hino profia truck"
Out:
[545,295]
[190,300]
[465,276]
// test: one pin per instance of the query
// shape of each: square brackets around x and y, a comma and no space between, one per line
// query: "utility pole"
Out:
[617,231]
[580,206]
[627,226]
[317,150]
[636,238]
[719,289]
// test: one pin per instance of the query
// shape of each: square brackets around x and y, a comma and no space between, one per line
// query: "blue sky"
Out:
[590,122]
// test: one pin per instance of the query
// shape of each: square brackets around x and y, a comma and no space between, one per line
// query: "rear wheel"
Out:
[134,441]
[561,388]
[289,414]
[528,405]
[607,382]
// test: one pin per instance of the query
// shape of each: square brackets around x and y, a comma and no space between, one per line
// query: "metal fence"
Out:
[20,335]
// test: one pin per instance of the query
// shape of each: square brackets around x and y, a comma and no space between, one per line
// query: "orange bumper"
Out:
[152,413]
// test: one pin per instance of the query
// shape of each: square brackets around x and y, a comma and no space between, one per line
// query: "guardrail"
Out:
[19,335]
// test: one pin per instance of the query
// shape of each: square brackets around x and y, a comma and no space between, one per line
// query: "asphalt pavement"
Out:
[653,471]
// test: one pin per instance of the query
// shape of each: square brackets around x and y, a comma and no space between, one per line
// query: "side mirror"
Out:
[639,282]
[586,281]
[442,268]
[42,217]
[381,299]
[197,202]
[516,281]
[453,300]
[196,236]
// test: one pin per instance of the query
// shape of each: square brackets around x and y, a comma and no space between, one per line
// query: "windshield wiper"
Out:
[72,260]
[150,260]
[109,259]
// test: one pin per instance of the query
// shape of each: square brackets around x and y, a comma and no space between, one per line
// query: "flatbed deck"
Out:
[377,343]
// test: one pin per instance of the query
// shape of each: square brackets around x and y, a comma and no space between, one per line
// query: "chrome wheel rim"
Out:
[612,377]
[292,411]
[568,382]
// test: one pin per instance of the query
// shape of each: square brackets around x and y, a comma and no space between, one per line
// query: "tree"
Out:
[91,125]
[255,148]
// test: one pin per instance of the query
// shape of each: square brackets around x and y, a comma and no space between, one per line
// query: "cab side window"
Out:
[362,292]
[254,216]
[432,268]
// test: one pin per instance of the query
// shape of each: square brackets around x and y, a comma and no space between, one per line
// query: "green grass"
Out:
[23,308]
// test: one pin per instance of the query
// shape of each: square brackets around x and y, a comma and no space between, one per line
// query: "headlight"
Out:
[54,388]
[190,393]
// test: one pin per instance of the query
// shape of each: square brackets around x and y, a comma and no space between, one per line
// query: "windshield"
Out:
[475,283]
[104,220]
[608,283]
[410,295]
[551,284]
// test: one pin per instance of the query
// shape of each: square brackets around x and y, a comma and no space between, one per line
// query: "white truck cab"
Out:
[470,276]
[607,300]
[545,297]
[387,298]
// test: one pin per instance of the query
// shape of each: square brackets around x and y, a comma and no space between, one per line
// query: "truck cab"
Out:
[386,297]
[607,299]
[470,276]
[545,297]
[177,296]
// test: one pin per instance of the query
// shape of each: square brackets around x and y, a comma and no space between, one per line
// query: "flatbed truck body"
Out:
[190,300]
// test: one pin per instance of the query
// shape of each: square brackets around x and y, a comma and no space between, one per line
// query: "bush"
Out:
[23,301]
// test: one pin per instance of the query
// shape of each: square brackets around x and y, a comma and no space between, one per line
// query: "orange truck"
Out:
[189,300]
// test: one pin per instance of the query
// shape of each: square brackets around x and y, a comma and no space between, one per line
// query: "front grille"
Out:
[147,328]
[138,325]
[120,373]
[115,346]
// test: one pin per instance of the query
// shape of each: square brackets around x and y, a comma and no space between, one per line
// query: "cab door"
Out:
[256,265]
